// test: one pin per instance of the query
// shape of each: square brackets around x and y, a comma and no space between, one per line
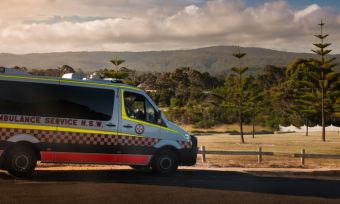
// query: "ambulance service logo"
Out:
[139,129]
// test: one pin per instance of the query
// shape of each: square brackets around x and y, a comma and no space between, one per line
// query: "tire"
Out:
[165,163]
[21,161]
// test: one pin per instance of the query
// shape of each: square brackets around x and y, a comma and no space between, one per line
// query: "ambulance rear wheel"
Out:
[21,161]
[165,163]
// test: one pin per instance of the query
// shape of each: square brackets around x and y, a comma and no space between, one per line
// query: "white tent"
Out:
[332,128]
[290,128]
[316,128]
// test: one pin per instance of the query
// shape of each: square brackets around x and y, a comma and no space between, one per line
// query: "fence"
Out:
[259,153]
[302,155]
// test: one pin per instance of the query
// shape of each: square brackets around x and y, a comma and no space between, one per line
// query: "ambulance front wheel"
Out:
[21,161]
[165,162]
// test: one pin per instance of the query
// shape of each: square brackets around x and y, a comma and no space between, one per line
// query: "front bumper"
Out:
[188,157]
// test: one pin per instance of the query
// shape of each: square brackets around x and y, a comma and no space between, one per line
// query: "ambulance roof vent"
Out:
[94,76]
[76,76]
[114,80]
[12,71]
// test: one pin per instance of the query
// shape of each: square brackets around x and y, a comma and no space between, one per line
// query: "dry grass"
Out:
[283,146]
[225,128]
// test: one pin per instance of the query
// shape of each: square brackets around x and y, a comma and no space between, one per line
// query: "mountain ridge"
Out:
[214,59]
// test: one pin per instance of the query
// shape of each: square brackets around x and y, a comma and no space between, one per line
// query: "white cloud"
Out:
[60,25]
[192,9]
[305,12]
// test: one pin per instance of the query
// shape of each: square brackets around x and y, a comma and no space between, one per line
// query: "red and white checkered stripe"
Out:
[79,138]
[50,136]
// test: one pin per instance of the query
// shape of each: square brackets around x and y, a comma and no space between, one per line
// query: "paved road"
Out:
[186,186]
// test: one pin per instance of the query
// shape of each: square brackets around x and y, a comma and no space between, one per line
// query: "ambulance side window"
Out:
[85,103]
[51,100]
[138,107]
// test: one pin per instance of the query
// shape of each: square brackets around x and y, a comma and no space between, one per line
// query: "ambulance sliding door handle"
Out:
[127,126]
[110,125]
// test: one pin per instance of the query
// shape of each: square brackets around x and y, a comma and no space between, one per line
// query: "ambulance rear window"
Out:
[49,100]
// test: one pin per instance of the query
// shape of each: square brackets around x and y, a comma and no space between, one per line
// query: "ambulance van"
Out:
[86,121]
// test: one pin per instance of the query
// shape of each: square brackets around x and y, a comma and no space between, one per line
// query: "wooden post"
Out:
[303,157]
[259,158]
[203,154]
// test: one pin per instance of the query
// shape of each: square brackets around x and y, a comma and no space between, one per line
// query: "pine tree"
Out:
[119,72]
[304,101]
[235,94]
[117,62]
[239,94]
[325,76]
[317,85]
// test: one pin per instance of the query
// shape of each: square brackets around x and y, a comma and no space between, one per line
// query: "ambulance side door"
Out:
[138,120]
[90,120]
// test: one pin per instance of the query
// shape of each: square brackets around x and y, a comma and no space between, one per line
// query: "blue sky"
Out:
[300,4]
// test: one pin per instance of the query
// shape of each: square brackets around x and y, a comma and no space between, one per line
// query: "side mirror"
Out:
[159,118]
[159,121]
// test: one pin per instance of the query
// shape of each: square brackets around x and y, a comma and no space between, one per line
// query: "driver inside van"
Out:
[134,112]
[140,114]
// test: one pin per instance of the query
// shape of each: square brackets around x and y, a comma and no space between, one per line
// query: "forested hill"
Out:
[212,59]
